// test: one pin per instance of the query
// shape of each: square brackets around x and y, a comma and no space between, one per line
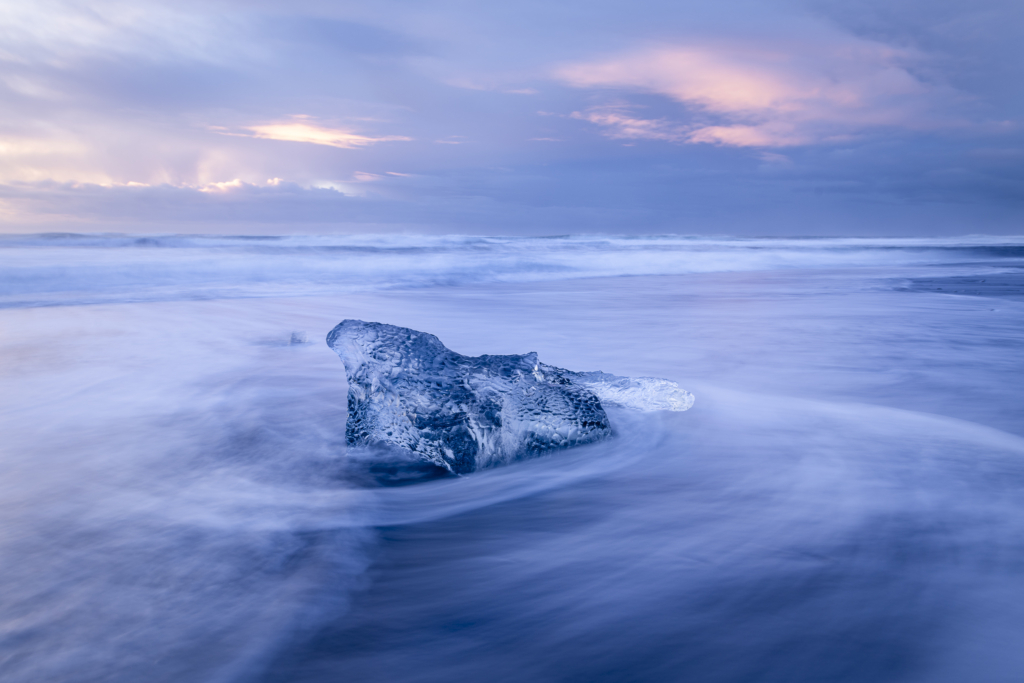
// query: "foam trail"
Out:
[438,500]
[176,515]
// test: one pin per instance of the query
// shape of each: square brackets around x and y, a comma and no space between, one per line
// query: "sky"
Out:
[775,117]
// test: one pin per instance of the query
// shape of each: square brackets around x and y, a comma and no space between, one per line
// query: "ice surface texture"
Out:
[464,413]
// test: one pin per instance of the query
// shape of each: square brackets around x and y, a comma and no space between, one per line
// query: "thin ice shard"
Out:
[464,413]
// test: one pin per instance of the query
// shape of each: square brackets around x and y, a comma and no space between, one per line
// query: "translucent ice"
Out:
[638,393]
[464,413]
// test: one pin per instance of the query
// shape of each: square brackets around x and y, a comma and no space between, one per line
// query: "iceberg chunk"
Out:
[407,390]
[638,393]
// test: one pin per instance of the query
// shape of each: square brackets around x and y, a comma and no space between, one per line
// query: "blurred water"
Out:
[66,268]
[842,503]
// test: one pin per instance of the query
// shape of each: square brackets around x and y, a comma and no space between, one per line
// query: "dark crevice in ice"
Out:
[390,467]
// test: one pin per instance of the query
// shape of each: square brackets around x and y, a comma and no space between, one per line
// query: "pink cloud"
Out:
[763,96]
[620,124]
[299,129]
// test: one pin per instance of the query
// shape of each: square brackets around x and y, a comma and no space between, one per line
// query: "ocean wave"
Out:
[42,270]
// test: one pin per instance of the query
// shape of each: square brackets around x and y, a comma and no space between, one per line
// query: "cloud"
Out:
[61,32]
[139,206]
[24,146]
[771,95]
[773,134]
[620,124]
[298,130]
[221,187]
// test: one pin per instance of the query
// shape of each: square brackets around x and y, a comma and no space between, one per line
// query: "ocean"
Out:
[842,503]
